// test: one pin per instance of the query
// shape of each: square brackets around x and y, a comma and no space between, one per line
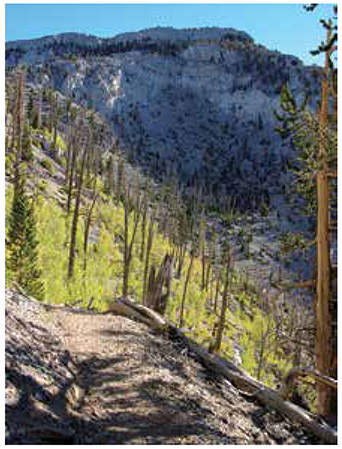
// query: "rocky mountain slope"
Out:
[196,104]
[78,377]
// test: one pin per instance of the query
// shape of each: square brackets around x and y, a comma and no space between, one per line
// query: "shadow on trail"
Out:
[120,402]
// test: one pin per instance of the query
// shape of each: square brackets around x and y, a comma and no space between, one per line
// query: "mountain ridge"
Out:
[200,110]
[174,33]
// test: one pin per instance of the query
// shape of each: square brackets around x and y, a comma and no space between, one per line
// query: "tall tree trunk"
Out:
[147,257]
[68,160]
[182,251]
[86,230]
[143,233]
[220,328]
[323,318]
[75,219]
[217,291]
[188,274]
[71,177]
[19,121]
[324,356]
[203,267]
[208,270]
[128,246]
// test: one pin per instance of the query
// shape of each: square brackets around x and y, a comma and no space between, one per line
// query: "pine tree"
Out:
[22,244]
[314,137]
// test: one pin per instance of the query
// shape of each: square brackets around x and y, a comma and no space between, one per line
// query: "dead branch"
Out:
[303,284]
[128,308]
[302,373]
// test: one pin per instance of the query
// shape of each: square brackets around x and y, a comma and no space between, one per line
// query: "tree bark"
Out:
[156,298]
[86,230]
[215,347]
[128,246]
[147,257]
[71,177]
[326,404]
[75,219]
[143,233]
[181,316]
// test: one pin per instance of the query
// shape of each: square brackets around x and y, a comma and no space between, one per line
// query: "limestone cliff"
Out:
[195,103]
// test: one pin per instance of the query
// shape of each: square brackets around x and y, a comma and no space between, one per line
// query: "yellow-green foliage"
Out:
[48,136]
[258,339]
[103,279]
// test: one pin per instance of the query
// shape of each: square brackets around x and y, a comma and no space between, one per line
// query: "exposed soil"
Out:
[77,377]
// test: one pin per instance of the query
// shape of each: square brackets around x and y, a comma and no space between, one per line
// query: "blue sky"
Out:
[284,27]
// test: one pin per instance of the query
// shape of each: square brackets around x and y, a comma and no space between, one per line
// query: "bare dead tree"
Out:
[215,346]
[87,228]
[159,286]
[129,207]
[187,279]
[149,244]
[74,223]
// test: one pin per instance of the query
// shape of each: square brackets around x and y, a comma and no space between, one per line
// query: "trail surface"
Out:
[84,378]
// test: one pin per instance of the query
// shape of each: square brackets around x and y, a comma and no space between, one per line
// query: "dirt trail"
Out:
[80,378]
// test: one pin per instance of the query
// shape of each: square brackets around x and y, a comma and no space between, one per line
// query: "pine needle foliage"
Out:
[303,129]
[22,244]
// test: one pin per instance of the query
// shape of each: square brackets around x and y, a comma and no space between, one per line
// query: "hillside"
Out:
[78,377]
[194,104]
[192,109]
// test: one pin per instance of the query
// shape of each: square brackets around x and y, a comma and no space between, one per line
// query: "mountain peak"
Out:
[187,34]
[153,34]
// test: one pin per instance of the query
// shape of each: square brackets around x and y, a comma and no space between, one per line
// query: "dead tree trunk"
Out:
[75,218]
[202,249]
[156,297]
[188,274]
[18,121]
[71,177]
[143,232]
[86,230]
[147,257]
[128,246]
[181,257]
[215,347]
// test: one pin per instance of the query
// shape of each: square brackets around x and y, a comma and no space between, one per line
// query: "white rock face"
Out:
[197,103]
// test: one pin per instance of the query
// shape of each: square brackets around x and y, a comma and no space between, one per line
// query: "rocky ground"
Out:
[78,377]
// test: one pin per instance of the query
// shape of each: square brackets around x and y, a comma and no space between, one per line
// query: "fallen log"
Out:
[228,370]
[301,373]
[128,308]
[266,395]
[235,375]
